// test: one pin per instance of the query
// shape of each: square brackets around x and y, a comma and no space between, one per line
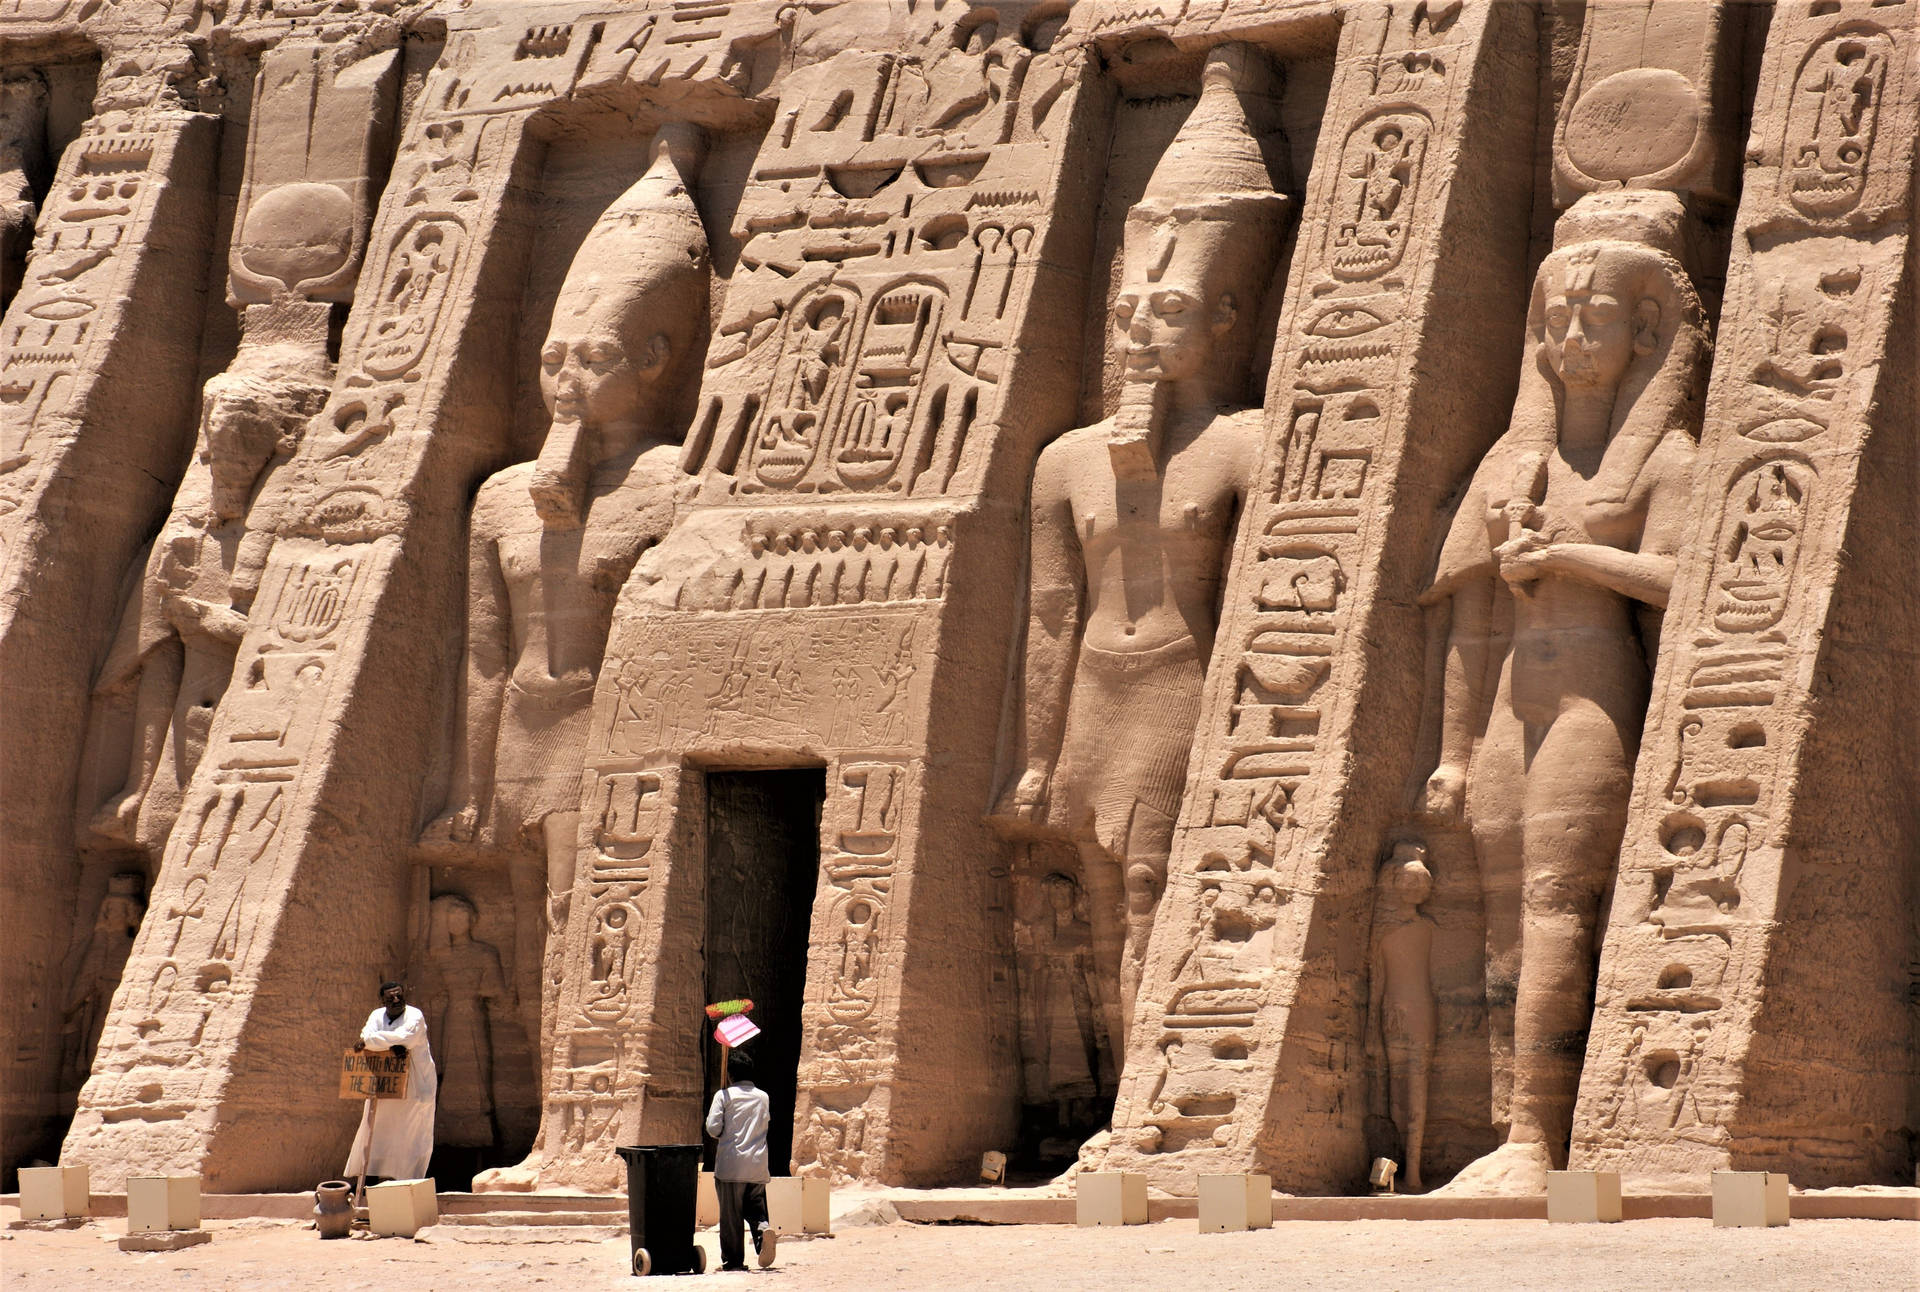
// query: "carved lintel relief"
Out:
[1712,841]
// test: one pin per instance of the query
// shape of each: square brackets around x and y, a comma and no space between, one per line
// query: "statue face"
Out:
[1412,881]
[240,439]
[587,376]
[1596,320]
[459,921]
[1169,329]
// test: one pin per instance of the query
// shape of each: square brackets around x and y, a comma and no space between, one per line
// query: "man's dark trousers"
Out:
[740,1200]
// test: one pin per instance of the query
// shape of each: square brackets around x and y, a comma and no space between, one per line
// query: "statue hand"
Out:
[1026,801]
[1446,795]
[457,827]
[184,613]
[1524,557]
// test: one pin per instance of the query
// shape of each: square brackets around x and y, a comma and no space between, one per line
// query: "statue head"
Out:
[629,323]
[1200,244]
[1062,893]
[258,408]
[1614,316]
[1405,876]
[121,908]
[453,916]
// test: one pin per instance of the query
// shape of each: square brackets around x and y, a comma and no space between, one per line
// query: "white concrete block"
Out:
[400,1208]
[1583,1197]
[157,1202]
[1234,1202]
[53,1192]
[1110,1198]
[1749,1198]
[706,1205]
[800,1205]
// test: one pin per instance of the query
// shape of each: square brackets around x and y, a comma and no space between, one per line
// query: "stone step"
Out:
[495,1219]
[474,1203]
[542,1231]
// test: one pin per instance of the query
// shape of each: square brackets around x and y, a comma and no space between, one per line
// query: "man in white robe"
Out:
[402,1133]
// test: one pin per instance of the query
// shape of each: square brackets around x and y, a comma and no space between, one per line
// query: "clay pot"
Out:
[333,1209]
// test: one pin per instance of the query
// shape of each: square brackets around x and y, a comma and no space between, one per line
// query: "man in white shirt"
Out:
[738,1118]
[402,1133]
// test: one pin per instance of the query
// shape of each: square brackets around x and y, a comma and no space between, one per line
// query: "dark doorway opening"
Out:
[763,861]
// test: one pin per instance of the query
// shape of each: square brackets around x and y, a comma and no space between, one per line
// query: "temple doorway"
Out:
[763,862]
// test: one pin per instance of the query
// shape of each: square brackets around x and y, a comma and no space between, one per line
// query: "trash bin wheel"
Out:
[699,1259]
[642,1263]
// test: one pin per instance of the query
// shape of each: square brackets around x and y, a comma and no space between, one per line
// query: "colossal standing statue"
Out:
[553,540]
[180,631]
[1556,571]
[1132,519]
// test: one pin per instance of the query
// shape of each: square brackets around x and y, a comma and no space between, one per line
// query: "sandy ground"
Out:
[1379,1256]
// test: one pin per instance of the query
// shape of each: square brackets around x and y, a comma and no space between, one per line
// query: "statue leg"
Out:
[1100,875]
[1576,801]
[152,714]
[542,889]
[1496,789]
[527,875]
[559,834]
[1149,845]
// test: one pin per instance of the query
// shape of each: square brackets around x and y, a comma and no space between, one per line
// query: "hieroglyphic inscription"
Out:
[866,803]
[77,283]
[225,851]
[890,239]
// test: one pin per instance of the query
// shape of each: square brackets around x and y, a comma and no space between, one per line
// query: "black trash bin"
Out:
[663,1187]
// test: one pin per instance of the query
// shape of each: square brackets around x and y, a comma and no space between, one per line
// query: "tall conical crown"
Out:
[651,232]
[1215,167]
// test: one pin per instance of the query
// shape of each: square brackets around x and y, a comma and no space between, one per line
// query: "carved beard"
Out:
[1135,437]
[559,486]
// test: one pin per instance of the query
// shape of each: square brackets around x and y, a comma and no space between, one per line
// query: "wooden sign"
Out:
[373,1074]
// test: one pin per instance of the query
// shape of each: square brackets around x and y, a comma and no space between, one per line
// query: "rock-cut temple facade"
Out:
[1190,586]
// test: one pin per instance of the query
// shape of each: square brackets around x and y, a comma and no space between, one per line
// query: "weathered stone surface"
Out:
[1215,587]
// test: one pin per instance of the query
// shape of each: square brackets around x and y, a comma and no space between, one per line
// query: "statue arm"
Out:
[1055,581]
[482,684]
[1469,628]
[1460,605]
[1645,575]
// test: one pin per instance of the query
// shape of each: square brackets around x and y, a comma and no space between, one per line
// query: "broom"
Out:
[723,1010]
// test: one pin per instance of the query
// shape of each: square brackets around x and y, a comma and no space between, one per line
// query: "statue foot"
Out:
[1510,1171]
[523,1178]
[117,820]
[1093,1156]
